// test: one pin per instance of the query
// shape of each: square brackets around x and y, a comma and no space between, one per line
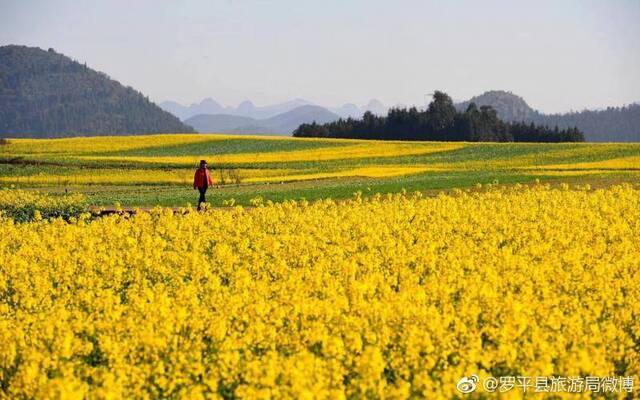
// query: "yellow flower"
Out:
[388,296]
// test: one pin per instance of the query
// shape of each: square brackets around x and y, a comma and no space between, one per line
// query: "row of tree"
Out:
[439,122]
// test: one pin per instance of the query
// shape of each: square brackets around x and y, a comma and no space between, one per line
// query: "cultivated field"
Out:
[395,296]
[527,265]
[152,170]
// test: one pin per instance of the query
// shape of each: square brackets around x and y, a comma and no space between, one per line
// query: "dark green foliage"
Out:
[439,122]
[441,113]
[45,94]
[614,124]
[22,206]
[510,107]
[27,212]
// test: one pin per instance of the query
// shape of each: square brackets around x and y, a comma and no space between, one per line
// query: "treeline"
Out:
[440,122]
[620,124]
[45,94]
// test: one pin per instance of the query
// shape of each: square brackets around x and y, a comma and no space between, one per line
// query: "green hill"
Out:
[509,106]
[46,94]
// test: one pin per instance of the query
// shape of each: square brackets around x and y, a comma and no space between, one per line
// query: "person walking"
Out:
[201,181]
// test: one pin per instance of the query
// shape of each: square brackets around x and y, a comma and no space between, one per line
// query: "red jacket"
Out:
[202,178]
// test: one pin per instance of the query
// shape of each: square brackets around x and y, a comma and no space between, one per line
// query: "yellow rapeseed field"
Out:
[185,176]
[176,176]
[372,171]
[104,143]
[354,151]
[169,160]
[93,144]
[623,163]
[393,296]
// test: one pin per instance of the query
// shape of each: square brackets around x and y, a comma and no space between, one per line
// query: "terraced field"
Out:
[158,169]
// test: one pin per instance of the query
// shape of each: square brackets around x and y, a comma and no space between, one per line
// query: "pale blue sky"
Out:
[559,55]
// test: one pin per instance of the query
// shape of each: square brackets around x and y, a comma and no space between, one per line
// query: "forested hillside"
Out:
[613,124]
[46,94]
[510,107]
[440,122]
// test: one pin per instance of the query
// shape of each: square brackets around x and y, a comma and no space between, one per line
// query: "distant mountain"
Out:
[348,110]
[351,110]
[244,109]
[613,124]
[609,124]
[223,123]
[248,109]
[376,107]
[282,124]
[174,108]
[46,94]
[509,106]
[206,106]
[291,120]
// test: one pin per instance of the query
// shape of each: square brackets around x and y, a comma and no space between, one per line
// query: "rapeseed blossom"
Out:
[360,150]
[392,296]
[170,159]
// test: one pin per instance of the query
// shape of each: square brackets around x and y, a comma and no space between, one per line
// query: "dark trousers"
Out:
[202,199]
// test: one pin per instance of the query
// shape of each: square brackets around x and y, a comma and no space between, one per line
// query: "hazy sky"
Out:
[559,55]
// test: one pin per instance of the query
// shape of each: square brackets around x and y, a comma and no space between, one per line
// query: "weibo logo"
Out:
[467,384]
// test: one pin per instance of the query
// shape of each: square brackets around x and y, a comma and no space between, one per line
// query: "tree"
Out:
[440,121]
[441,113]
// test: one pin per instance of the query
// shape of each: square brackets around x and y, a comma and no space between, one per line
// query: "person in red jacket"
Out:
[201,181]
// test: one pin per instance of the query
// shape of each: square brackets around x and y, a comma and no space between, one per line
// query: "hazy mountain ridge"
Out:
[248,109]
[46,94]
[223,123]
[281,124]
[609,124]
[245,109]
